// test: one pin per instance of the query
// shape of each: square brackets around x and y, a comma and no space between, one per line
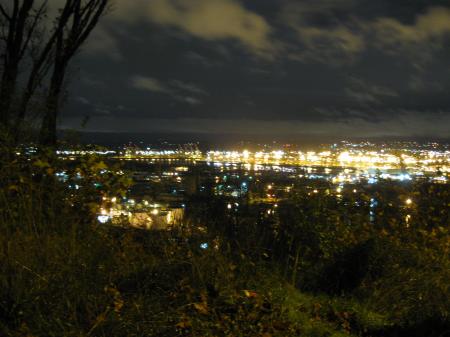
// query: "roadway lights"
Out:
[408,201]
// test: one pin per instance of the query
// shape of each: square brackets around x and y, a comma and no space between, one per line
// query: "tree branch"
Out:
[90,25]
[38,16]
[4,13]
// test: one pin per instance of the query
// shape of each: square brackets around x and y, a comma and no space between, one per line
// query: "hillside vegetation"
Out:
[318,269]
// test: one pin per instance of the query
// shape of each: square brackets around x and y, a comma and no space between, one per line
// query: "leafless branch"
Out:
[33,26]
[4,13]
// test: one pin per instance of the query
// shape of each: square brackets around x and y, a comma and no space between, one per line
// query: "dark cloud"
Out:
[331,66]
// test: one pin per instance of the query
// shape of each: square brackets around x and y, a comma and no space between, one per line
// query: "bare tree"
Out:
[84,16]
[29,49]
[18,24]
[42,61]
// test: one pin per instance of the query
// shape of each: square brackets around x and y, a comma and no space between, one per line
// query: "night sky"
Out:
[360,68]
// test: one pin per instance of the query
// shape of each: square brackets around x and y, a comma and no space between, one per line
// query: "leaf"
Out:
[250,294]
[118,304]
[184,324]
[201,308]
[99,166]
[13,188]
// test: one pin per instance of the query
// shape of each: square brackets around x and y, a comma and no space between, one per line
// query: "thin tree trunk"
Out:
[36,75]
[84,17]
[48,129]
[40,67]
[296,263]
[20,30]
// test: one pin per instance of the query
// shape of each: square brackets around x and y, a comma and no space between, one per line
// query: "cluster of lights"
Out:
[80,153]
[416,163]
[149,153]
[138,213]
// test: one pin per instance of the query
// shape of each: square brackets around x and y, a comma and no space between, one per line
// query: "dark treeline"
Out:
[35,53]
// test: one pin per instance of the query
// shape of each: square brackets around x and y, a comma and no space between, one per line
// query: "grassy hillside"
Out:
[308,274]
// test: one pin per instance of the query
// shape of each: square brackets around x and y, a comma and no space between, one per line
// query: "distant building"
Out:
[157,219]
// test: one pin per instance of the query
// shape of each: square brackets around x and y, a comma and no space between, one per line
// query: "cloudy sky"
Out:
[345,68]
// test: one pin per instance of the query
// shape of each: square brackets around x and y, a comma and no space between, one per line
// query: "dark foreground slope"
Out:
[308,274]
